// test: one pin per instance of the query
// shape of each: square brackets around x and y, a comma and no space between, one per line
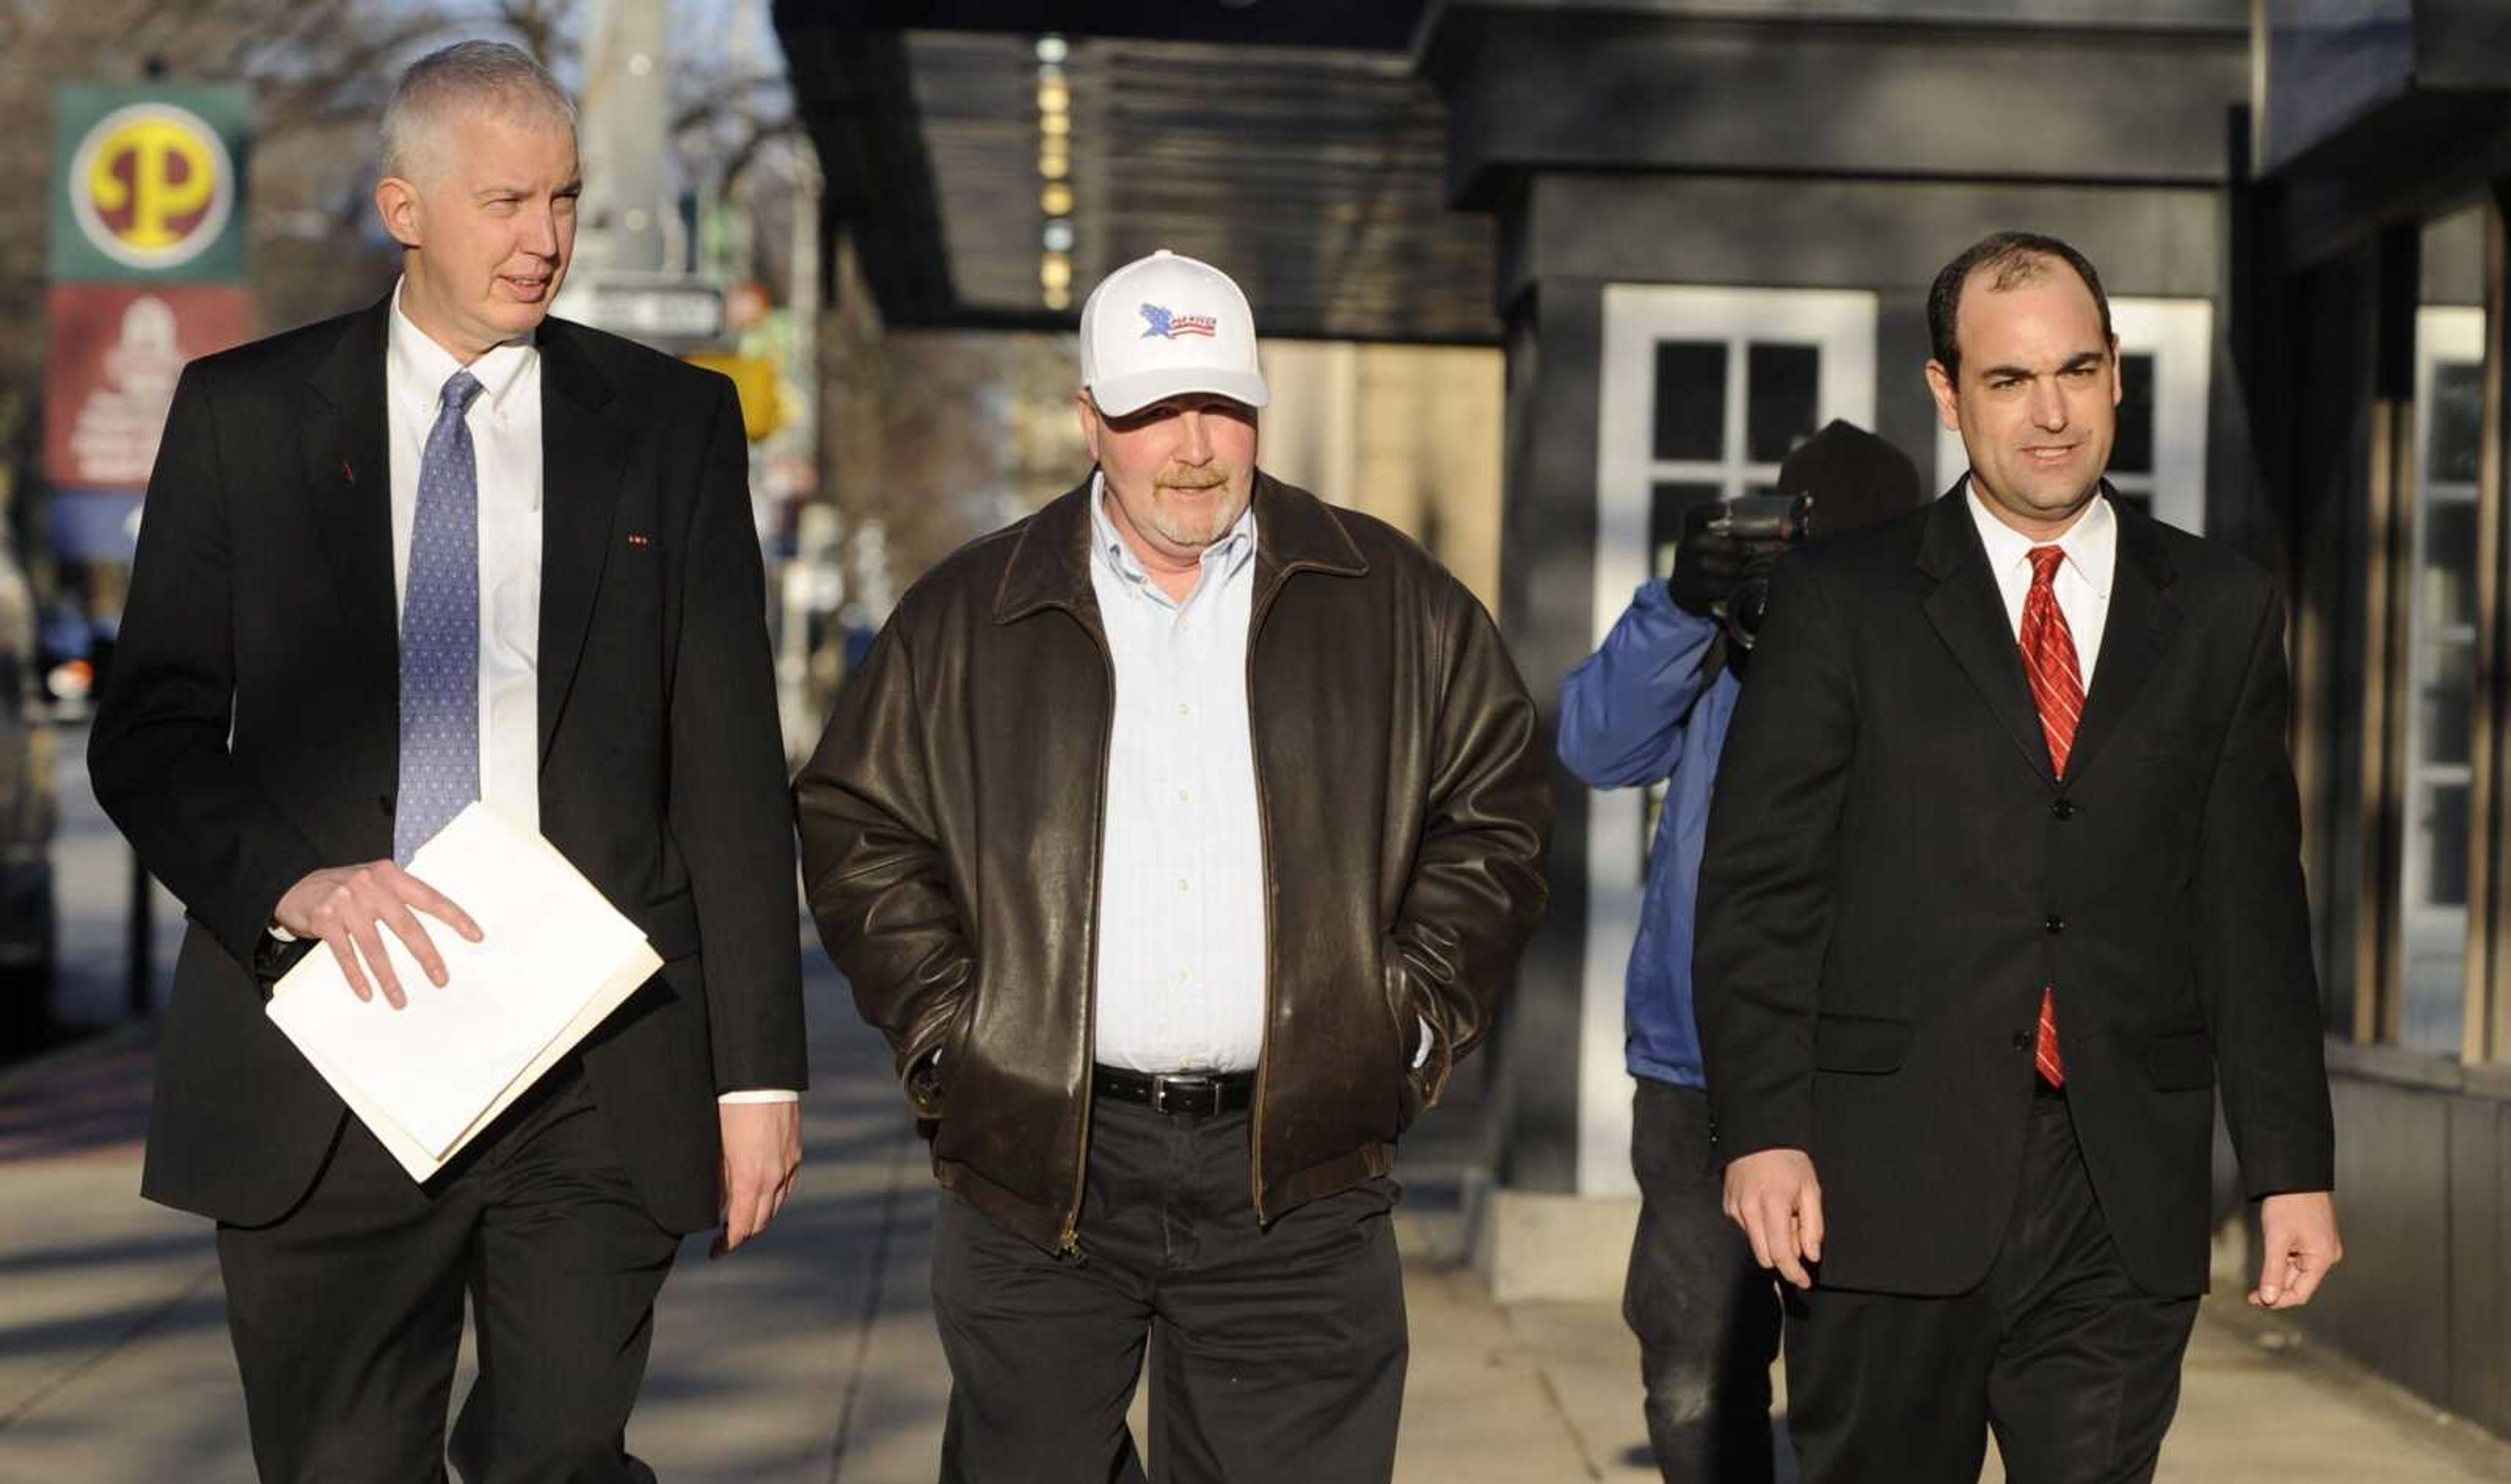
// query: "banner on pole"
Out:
[149,183]
[110,370]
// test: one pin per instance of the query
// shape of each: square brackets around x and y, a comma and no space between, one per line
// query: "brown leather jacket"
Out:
[950,831]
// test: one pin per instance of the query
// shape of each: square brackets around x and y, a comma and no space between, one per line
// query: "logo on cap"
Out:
[1169,326]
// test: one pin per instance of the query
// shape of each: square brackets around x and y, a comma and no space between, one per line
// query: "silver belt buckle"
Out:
[1162,1083]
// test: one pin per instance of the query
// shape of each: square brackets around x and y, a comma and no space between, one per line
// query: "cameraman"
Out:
[1652,705]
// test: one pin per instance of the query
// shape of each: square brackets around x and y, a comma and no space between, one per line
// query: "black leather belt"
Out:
[1199,1093]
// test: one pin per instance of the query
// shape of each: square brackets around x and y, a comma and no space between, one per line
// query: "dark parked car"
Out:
[27,811]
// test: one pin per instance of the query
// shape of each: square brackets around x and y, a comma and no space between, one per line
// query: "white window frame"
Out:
[2430,932]
[1636,317]
[2179,335]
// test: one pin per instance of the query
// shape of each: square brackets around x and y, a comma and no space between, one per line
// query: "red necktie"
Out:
[2058,690]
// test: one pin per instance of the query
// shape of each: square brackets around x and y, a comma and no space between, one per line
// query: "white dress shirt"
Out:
[1181,976]
[505,423]
[2083,580]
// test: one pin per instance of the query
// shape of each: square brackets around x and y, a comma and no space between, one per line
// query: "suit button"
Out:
[2056,925]
[2022,1040]
[2063,810]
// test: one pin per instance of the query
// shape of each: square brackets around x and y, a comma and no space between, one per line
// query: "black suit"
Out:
[1893,875]
[248,734]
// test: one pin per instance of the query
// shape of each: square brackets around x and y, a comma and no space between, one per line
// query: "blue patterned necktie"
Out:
[440,634]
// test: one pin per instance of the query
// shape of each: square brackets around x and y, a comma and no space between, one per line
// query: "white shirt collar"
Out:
[1227,554]
[426,366]
[2090,544]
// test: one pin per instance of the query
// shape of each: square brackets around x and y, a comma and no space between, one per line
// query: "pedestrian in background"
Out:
[1651,707]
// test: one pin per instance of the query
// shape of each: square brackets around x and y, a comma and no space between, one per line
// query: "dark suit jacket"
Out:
[248,733]
[1892,876]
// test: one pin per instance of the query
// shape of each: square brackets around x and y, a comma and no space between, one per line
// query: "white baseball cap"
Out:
[1162,326]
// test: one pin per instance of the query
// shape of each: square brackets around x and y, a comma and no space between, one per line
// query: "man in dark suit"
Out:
[2002,882]
[439,550]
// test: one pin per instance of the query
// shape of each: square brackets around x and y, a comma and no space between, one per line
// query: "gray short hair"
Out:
[480,73]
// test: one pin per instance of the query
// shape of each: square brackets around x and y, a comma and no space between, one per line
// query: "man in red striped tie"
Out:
[2002,887]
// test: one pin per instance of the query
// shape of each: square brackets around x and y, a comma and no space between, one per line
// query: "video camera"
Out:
[1770,521]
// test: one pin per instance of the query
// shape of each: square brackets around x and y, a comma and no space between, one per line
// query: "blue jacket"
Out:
[1632,713]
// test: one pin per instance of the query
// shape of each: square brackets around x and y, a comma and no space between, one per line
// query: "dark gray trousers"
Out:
[347,1313]
[1707,1315]
[2075,1368]
[1277,1352]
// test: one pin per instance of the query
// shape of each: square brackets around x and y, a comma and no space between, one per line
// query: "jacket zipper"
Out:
[1069,1243]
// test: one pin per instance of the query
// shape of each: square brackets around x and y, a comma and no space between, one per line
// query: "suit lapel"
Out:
[348,480]
[1970,618]
[581,463]
[2143,621]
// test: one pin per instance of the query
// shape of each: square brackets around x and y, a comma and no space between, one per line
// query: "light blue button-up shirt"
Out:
[1180,985]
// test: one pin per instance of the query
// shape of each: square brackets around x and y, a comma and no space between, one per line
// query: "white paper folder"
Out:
[555,960]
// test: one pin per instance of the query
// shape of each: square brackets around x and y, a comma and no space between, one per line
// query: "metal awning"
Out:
[1298,152]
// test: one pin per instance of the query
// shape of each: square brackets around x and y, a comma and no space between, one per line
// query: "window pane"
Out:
[2446,595]
[1666,503]
[2457,420]
[2133,452]
[1690,399]
[1782,383]
[2449,700]
[2445,828]
[2434,992]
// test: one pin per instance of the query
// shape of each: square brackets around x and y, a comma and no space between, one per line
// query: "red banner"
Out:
[109,372]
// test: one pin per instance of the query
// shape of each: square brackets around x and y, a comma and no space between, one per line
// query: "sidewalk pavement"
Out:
[811,1359]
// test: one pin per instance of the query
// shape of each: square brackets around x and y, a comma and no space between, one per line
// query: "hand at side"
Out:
[1774,1197]
[2298,1232]
[762,1152]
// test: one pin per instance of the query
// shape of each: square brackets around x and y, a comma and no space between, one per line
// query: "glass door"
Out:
[1703,393]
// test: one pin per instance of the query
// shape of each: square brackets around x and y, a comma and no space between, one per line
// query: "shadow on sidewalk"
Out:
[86,1100]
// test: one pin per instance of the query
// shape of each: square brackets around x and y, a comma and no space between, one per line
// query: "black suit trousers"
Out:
[347,1311]
[2075,1368]
[1277,1352]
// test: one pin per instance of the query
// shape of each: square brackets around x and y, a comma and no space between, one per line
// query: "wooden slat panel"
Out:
[1315,177]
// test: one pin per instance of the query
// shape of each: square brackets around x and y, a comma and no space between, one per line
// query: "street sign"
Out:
[667,310]
[753,377]
[149,183]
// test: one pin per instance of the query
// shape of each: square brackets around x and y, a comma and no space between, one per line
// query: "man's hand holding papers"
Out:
[347,908]
[545,963]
